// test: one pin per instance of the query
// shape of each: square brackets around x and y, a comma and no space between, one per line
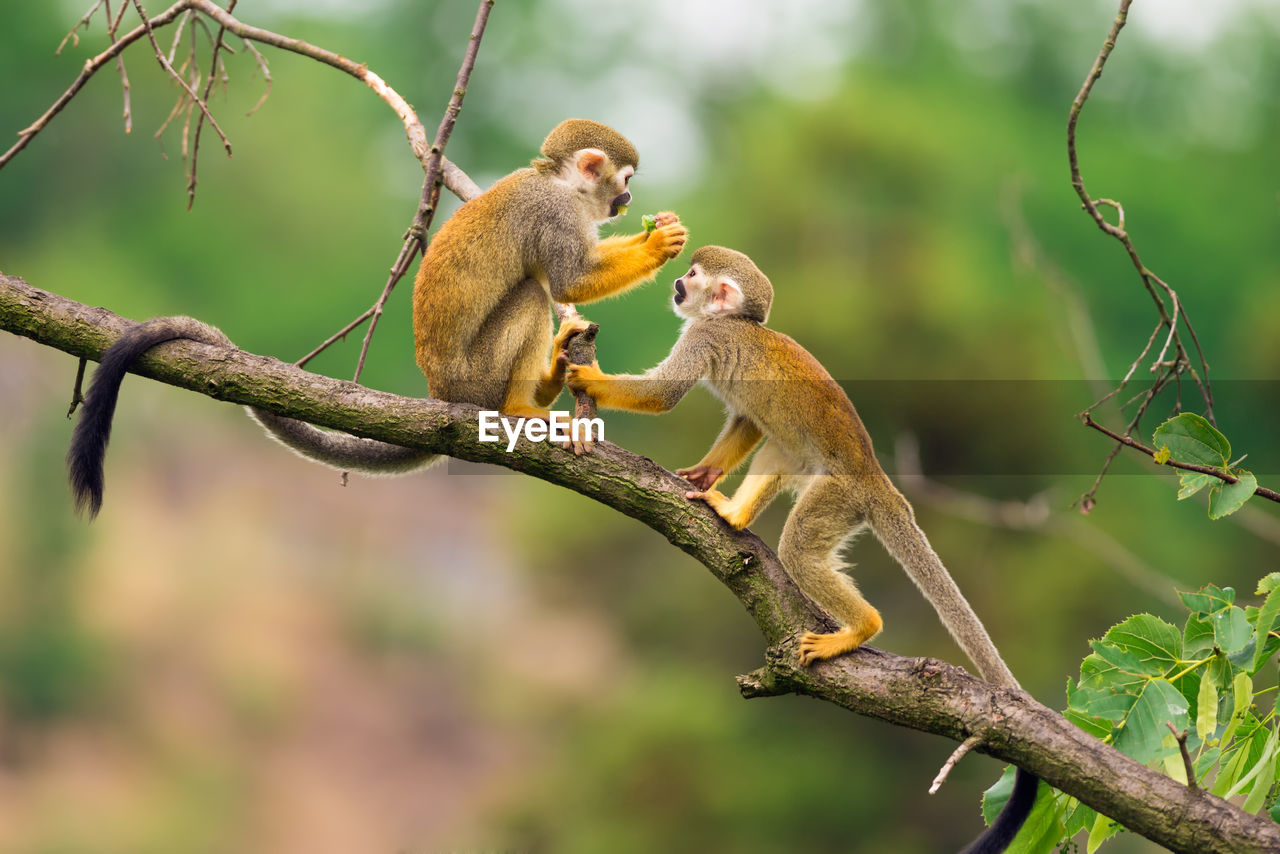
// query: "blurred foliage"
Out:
[239,656]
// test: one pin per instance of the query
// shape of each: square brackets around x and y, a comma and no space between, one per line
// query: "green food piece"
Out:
[622,210]
[649,221]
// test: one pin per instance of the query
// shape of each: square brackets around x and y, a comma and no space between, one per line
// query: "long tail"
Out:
[92,432]
[341,450]
[894,524]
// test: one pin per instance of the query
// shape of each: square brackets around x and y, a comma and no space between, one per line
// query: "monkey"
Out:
[481,303]
[815,446]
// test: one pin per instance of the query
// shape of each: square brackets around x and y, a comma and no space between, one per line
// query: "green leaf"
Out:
[1263,782]
[1124,660]
[1231,630]
[1197,636]
[1143,729]
[1042,830]
[1264,644]
[1191,482]
[1230,771]
[1230,497]
[1103,829]
[1275,811]
[1207,708]
[1097,727]
[1192,439]
[1267,583]
[1242,698]
[1079,817]
[1208,599]
[649,221]
[1156,643]
[997,795]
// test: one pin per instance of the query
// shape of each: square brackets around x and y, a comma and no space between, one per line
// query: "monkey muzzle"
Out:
[680,291]
[619,205]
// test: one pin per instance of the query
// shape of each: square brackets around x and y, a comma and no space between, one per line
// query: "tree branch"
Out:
[923,694]
[453,177]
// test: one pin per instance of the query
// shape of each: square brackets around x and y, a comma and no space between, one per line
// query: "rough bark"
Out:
[920,693]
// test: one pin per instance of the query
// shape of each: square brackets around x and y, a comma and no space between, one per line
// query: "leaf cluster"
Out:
[1147,685]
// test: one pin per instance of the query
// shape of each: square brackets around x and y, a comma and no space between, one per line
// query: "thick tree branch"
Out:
[922,694]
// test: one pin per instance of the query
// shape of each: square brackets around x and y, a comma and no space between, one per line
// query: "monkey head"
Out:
[720,283]
[595,159]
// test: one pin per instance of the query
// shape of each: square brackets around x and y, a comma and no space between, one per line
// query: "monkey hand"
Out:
[568,328]
[702,476]
[585,378]
[667,241]
[662,218]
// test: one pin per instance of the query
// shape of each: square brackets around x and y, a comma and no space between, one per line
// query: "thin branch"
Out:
[1130,442]
[91,66]
[1166,370]
[213,77]
[167,66]
[416,240]
[919,693]
[956,755]
[453,177]
[83,22]
[1188,767]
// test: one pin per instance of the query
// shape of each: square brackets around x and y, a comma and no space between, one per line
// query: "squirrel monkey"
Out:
[481,303]
[816,447]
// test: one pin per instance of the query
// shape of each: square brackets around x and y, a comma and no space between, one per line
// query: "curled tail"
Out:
[894,524]
[93,429]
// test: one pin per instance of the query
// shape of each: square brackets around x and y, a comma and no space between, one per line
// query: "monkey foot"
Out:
[815,647]
[718,502]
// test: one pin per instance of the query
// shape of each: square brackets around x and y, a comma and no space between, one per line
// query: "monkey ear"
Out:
[590,163]
[726,297]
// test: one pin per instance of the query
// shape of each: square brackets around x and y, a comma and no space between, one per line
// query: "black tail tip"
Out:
[86,490]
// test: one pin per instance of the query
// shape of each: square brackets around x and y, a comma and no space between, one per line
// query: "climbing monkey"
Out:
[814,446]
[481,303]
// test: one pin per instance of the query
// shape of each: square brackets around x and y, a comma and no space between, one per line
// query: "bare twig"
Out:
[168,66]
[416,239]
[956,755]
[453,177]
[213,77]
[83,22]
[1167,370]
[1187,765]
[77,391]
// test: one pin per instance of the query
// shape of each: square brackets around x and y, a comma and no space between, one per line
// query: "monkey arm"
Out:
[652,393]
[657,389]
[739,436]
[617,264]
[622,241]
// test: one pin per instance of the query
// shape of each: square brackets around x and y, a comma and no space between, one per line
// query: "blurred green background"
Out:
[241,655]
